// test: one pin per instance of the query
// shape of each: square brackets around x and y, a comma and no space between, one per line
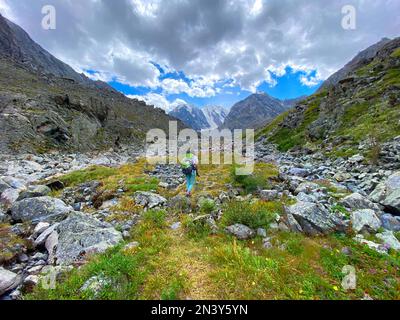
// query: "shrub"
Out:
[256,215]
[207,206]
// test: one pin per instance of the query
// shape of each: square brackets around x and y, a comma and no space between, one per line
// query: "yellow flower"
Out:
[253,283]
[301,291]
[335,288]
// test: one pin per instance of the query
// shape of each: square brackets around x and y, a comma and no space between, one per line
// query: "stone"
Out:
[15,183]
[387,193]
[390,222]
[365,220]
[180,203]
[148,199]
[9,197]
[356,201]
[95,285]
[262,232]
[372,245]
[30,282]
[389,240]
[176,226]
[40,228]
[299,172]
[342,176]
[3,186]
[306,187]
[41,209]
[81,235]
[33,192]
[163,185]
[8,280]
[356,159]
[41,239]
[314,219]
[269,195]
[267,244]
[51,246]
[240,231]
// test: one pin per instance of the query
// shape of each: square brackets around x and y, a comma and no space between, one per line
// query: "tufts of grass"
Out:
[254,215]
[10,244]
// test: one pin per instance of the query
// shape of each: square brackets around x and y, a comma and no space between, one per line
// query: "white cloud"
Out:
[158,101]
[210,41]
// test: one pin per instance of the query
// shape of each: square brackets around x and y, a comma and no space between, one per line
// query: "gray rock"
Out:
[9,197]
[372,245]
[40,228]
[41,239]
[34,191]
[95,285]
[132,245]
[299,172]
[269,195]
[149,200]
[390,222]
[15,183]
[80,235]
[356,159]
[51,246]
[241,231]
[41,209]
[262,232]
[356,201]
[8,280]
[365,219]
[389,240]
[388,193]
[314,219]
[307,188]
[3,186]
[176,226]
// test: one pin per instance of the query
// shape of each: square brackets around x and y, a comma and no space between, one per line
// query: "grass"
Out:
[254,215]
[258,180]
[10,244]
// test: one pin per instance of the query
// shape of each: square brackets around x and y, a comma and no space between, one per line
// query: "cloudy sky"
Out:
[206,51]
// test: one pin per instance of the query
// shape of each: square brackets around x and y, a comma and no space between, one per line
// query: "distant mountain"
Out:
[362,58]
[210,117]
[255,111]
[46,105]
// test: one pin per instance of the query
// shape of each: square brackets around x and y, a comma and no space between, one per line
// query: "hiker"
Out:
[190,170]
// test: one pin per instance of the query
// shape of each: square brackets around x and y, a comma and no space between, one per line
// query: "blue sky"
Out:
[286,86]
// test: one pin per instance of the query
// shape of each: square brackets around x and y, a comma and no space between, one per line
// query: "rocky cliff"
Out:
[45,104]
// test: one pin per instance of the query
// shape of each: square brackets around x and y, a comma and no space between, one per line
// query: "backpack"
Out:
[187,166]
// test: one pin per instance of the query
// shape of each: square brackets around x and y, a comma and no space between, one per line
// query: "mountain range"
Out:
[210,117]
[46,105]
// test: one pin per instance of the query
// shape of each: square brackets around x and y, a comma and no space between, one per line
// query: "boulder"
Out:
[387,193]
[9,197]
[180,203]
[80,235]
[41,239]
[314,219]
[8,280]
[365,220]
[149,200]
[269,195]
[356,159]
[389,240]
[34,192]
[306,187]
[15,183]
[356,201]
[390,222]
[299,172]
[372,245]
[41,209]
[3,186]
[241,231]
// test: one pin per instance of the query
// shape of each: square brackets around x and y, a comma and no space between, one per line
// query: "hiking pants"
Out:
[190,181]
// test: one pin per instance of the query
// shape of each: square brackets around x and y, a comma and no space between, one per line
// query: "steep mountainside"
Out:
[363,108]
[45,104]
[360,59]
[198,119]
[255,111]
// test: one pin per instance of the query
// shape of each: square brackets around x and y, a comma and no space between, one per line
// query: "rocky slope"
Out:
[45,105]
[255,111]
[361,109]
[210,117]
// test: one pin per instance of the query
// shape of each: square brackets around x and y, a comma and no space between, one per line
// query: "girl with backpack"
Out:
[190,170]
